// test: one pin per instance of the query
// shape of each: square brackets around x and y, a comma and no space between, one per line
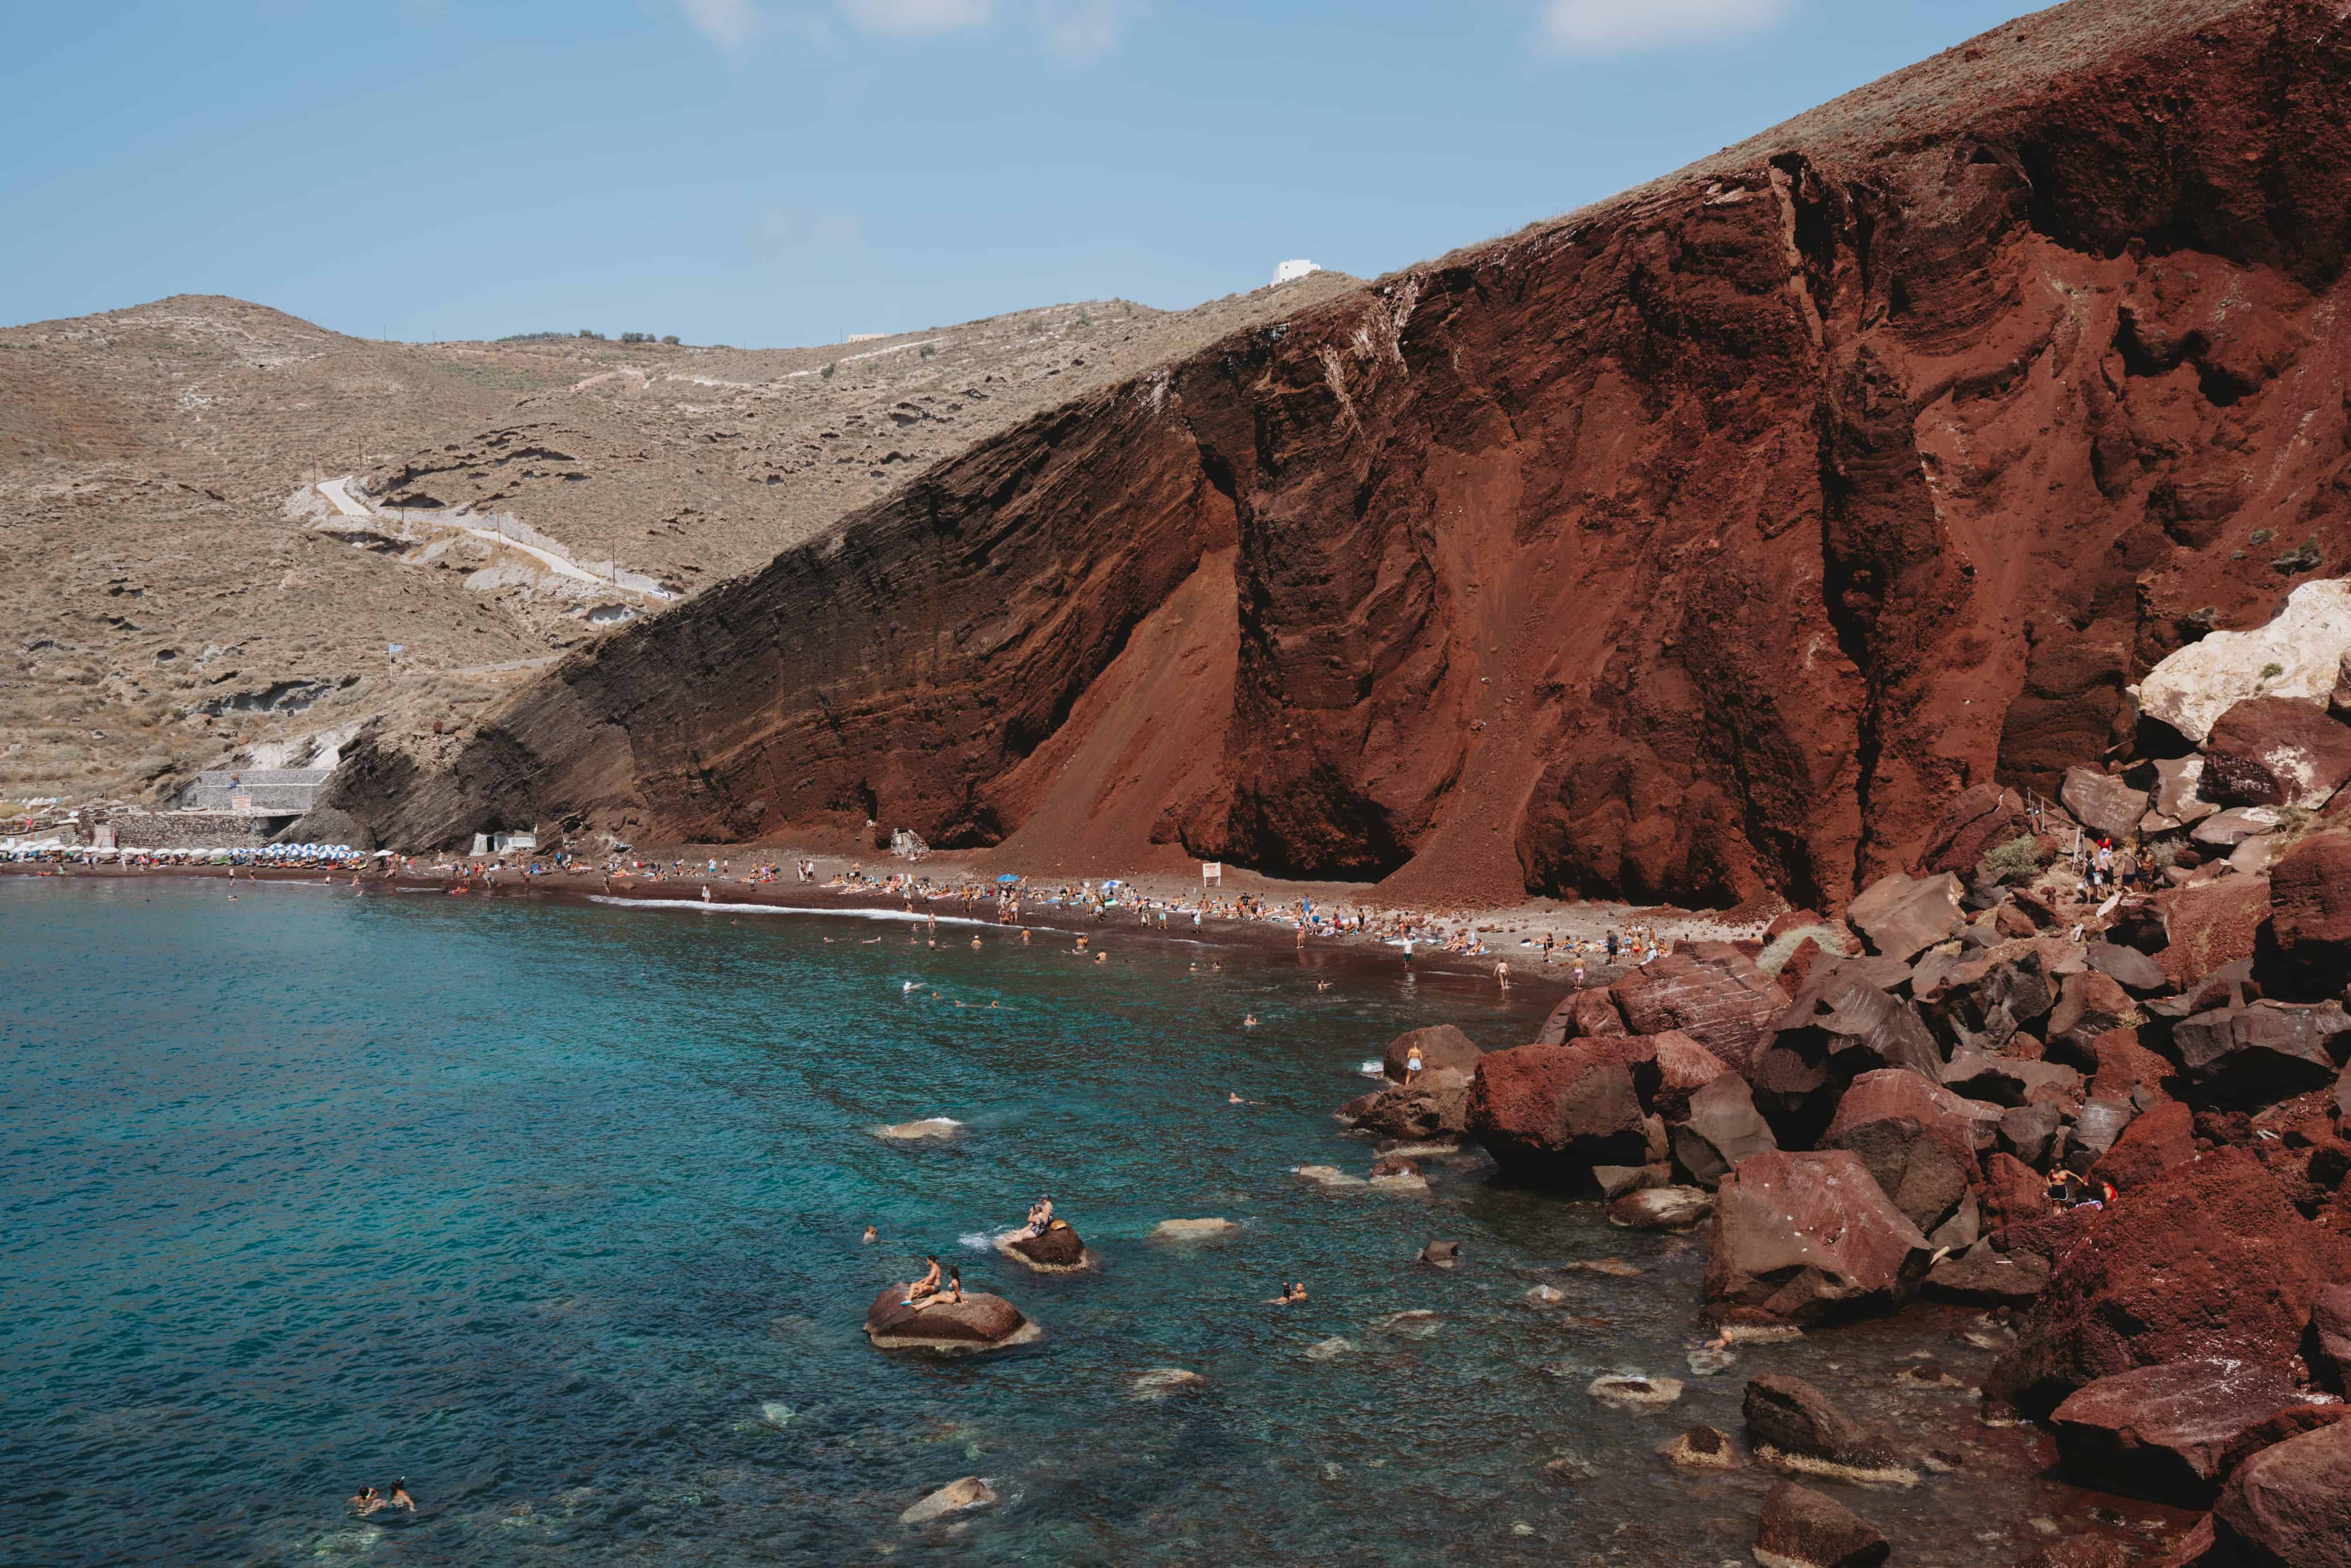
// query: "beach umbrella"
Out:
[1008,876]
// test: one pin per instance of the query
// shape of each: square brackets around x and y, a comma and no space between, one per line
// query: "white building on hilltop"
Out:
[1291,271]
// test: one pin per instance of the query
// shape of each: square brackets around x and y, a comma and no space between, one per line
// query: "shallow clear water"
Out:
[555,1211]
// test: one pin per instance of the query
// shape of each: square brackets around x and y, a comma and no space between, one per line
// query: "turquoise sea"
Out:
[555,1211]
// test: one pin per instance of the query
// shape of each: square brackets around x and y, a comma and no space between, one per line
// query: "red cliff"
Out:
[1700,543]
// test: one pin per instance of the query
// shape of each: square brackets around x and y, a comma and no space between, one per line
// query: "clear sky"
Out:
[780,172]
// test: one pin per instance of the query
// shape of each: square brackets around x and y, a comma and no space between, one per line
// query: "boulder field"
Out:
[2120,1119]
[1699,545]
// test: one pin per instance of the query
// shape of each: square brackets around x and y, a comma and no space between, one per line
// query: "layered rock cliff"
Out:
[1699,544]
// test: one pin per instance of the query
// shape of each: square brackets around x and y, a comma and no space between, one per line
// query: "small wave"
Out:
[1373,1070]
[977,1241]
[904,917]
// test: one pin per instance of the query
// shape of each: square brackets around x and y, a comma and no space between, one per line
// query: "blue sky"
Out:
[780,172]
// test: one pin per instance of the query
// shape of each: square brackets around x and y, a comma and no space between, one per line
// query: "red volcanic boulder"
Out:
[2014,1193]
[1661,1209]
[1548,1114]
[2206,1261]
[1902,917]
[2125,1065]
[1809,1237]
[1787,1417]
[2275,751]
[1720,1128]
[1582,1015]
[1919,1140]
[1984,1276]
[1982,816]
[1441,1046]
[2258,1055]
[1989,992]
[2103,804]
[1843,1023]
[2212,926]
[2290,1506]
[1710,991]
[2008,1080]
[2163,1137]
[979,1321]
[2330,1332]
[2128,967]
[1684,1067]
[1801,1528]
[2089,1006]
[1437,1106]
[2310,909]
[2171,1432]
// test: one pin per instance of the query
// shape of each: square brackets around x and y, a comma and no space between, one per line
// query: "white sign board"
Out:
[1212,871]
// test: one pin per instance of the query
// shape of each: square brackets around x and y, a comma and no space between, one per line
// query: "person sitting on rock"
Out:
[954,1285]
[923,1291]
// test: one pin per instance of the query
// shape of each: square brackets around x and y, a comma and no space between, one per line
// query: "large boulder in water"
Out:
[1055,1250]
[2206,1261]
[2310,911]
[1919,1140]
[2290,1506]
[1801,1528]
[2275,751]
[1442,1048]
[2171,1432]
[1811,1237]
[1548,1114]
[1709,990]
[1435,1106]
[979,1322]
[1789,1421]
[1902,917]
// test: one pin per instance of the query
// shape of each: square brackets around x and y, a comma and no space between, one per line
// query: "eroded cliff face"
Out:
[1695,545]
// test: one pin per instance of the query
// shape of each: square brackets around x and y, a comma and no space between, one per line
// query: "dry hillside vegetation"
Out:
[171,583]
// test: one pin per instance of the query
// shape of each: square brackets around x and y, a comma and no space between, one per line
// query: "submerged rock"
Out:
[1442,1254]
[966,1495]
[1162,1381]
[1702,1448]
[931,1129]
[1194,1229]
[1629,1391]
[1662,1208]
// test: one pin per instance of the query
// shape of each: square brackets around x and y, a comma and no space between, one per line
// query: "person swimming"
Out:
[400,1498]
[1248,1021]
[366,1501]
[870,1238]
[1291,1295]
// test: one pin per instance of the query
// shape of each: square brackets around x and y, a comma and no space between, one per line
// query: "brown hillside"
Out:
[169,584]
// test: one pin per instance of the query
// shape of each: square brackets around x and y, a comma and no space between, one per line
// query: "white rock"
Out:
[1162,1381]
[1328,1176]
[934,1128]
[1325,1348]
[956,1496]
[2191,689]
